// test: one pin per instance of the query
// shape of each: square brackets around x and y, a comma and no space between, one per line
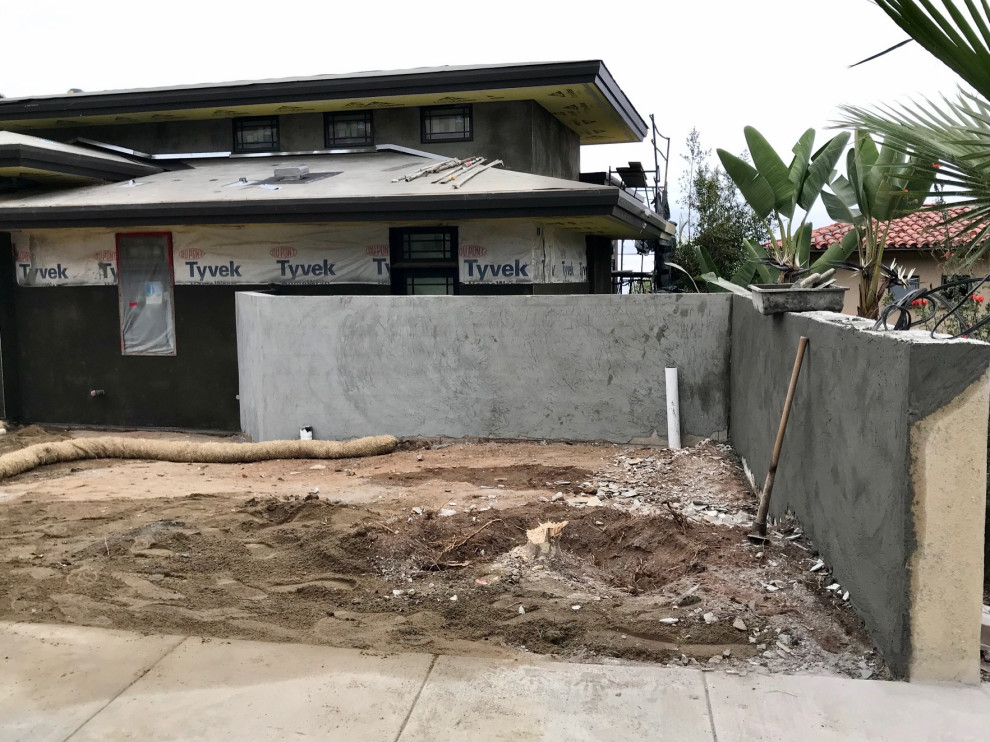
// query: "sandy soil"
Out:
[418,550]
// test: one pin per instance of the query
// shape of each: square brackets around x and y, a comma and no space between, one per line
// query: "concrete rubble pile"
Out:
[643,486]
[703,485]
[657,485]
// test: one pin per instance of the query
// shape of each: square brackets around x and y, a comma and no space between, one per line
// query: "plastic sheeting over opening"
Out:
[144,279]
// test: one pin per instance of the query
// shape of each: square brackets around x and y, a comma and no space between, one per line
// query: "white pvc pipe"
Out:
[673,410]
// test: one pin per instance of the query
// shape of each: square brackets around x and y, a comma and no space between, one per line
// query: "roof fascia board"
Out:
[598,202]
[294,90]
[645,229]
[620,102]
[325,88]
[635,213]
[68,163]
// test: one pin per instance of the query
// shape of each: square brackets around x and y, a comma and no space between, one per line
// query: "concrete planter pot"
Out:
[786,297]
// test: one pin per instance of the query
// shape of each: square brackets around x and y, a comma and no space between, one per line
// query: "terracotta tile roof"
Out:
[921,231]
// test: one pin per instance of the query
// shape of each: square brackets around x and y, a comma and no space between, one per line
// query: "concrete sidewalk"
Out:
[78,683]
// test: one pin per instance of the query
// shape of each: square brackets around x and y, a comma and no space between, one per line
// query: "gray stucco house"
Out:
[129,219]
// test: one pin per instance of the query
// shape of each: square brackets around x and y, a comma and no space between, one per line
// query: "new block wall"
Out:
[572,367]
[884,466]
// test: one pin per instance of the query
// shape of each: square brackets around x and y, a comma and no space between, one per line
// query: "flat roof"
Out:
[583,95]
[358,187]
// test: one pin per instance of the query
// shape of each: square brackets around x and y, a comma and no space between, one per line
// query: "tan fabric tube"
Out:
[190,452]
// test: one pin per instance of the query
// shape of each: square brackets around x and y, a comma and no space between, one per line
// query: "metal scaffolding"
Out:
[650,187]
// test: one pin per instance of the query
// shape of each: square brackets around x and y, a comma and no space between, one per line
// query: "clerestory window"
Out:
[349,129]
[256,134]
[447,124]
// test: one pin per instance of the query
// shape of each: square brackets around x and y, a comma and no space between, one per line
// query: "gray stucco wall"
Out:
[164,137]
[556,149]
[572,367]
[501,131]
[846,466]
[521,133]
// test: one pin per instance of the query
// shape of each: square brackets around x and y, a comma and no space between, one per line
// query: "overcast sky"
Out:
[780,65]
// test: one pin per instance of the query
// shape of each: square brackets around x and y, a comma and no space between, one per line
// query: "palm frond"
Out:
[952,135]
[960,38]
[898,45]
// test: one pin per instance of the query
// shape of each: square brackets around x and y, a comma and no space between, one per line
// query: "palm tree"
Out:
[954,134]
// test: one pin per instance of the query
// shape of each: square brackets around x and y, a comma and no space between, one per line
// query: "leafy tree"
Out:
[718,220]
[696,158]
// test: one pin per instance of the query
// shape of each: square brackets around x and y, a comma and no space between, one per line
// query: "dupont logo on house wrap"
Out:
[191,253]
[380,251]
[283,252]
[76,260]
[106,264]
[508,258]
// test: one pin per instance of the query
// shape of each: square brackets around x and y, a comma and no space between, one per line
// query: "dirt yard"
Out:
[419,551]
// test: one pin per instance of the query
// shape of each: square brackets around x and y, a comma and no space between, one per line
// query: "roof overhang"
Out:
[608,212]
[54,163]
[582,95]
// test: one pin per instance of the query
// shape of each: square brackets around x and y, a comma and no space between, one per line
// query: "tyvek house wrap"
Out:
[489,253]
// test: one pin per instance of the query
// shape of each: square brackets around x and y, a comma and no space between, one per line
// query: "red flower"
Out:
[924,302]
[936,165]
[914,303]
[979,298]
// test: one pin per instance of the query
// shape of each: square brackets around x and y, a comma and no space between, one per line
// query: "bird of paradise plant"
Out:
[776,191]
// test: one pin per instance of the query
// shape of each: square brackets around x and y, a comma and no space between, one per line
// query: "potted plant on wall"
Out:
[776,192]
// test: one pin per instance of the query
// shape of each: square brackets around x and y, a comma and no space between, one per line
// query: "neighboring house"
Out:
[129,219]
[922,242]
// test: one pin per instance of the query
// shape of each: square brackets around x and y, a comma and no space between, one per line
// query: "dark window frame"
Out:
[397,243]
[428,112]
[401,267]
[240,123]
[329,118]
[120,297]
[448,274]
